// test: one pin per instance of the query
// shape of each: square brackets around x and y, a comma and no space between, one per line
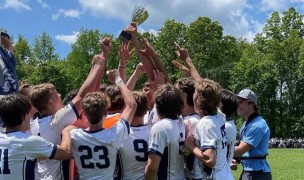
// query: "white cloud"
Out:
[230,13]
[43,4]
[73,13]
[18,5]
[70,39]
[152,31]
[274,5]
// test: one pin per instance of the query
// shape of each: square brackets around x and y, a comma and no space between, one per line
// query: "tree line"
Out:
[272,65]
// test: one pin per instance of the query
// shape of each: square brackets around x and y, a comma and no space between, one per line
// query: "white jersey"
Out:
[18,153]
[50,128]
[151,117]
[231,132]
[166,139]
[134,153]
[211,134]
[95,152]
[191,167]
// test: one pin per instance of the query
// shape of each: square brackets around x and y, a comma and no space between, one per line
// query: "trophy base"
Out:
[125,36]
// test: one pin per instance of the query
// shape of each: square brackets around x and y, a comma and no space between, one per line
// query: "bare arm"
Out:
[181,67]
[89,85]
[146,62]
[207,157]
[133,78]
[125,54]
[152,166]
[241,149]
[130,104]
[64,150]
[183,54]
[150,51]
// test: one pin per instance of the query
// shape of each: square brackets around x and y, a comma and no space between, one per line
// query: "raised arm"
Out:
[133,78]
[146,62]
[184,55]
[105,44]
[150,52]
[124,55]
[130,104]
[96,73]
[181,67]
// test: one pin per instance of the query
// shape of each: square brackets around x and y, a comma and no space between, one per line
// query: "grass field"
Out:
[285,164]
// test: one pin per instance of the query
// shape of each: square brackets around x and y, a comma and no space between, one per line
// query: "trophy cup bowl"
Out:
[139,15]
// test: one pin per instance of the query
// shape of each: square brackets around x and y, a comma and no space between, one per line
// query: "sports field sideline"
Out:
[285,164]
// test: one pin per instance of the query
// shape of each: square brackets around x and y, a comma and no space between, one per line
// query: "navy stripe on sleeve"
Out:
[155,152]
[203,148]
[74,109]
[127,124]
[53,152]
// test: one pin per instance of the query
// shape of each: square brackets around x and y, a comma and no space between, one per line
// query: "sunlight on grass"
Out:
[285,164]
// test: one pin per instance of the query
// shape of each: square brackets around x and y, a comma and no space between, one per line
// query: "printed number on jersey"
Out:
[141,146]
[102,152]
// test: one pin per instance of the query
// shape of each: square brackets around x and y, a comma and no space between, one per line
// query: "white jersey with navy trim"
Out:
[191,167]
[151,117]
[231,132]
[134,153]
[50,128]
[166,139]
[18,153]
[95,152]
[211,134]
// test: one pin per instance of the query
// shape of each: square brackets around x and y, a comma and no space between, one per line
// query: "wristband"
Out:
[118,81]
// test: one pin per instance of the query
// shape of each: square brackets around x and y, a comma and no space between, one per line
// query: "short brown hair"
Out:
[94,106]
[13,108]
[117,102]
[169,102]
[41,94]
[209,93]
[142,103]
[186,85]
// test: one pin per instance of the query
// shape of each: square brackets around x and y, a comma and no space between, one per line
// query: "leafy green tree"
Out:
[44,49]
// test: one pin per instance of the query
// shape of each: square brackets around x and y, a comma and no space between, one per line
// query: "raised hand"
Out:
[106,46]
[124,52]
[99,59]
[113,75]
[140,68]
[159,79]
[181,52]
[181,67]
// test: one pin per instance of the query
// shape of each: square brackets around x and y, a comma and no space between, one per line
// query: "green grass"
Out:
[285,164]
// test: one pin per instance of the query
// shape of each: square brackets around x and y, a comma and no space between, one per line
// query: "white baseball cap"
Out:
[247,94]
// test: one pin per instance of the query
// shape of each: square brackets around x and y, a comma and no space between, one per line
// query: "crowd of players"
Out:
[165,131]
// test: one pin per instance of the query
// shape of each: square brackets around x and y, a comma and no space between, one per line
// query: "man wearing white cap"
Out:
[255,134]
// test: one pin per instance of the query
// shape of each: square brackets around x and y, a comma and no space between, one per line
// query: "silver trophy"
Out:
[139,15]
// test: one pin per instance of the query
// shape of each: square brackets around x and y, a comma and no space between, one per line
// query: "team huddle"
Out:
[180,130]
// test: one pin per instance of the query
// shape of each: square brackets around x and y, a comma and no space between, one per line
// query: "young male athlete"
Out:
[54,117]
[95,149]
[166,140]
[211,140]
[134,150]
[18,150]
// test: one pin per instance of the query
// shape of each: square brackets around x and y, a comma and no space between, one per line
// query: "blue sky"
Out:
[62,19]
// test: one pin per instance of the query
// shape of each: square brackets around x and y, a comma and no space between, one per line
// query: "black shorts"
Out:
[255,175]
